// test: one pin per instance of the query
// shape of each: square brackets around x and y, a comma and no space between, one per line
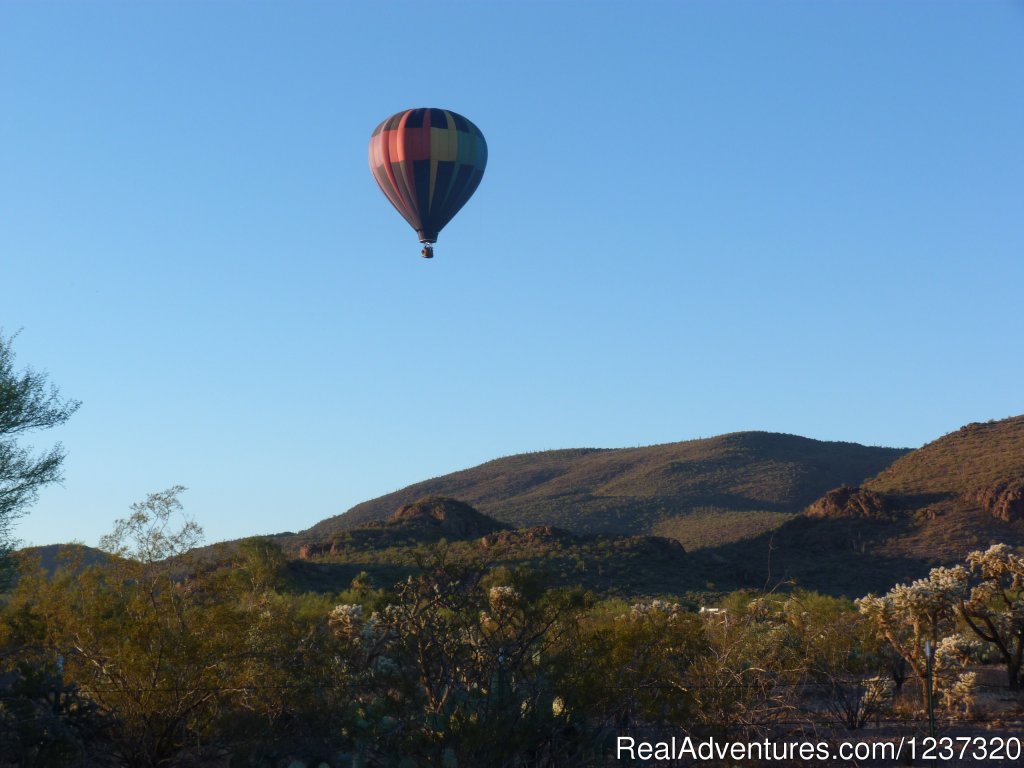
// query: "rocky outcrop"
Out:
[424,521]
[313,550]
[540,534]
[452,518]
[845,502]
[1003,500]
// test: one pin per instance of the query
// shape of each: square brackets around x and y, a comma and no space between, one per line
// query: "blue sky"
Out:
[697,218]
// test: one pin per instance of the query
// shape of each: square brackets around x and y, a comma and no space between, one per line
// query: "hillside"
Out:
[640,490]
[961,492]
[54,556]
[387,551]
[964,463]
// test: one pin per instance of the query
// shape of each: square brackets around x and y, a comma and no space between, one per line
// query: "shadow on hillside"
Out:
[838,557]
[910,501]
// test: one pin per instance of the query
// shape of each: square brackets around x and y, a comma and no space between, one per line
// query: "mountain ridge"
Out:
[631,490]
[741,510]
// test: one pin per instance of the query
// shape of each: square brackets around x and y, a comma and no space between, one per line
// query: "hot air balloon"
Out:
[428,162]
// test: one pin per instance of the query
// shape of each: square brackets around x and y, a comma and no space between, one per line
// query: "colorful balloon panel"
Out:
[428,162]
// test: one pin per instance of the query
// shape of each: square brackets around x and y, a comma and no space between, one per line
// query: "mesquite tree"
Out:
[28,403]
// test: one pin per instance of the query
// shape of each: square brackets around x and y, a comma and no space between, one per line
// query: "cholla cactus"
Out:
[558,706]
[935,594]
[878,691]
[959,696]
[762,608]
[503,598]
[958,650]
[652,609]
[502,601]
[346,620]
[911,615]
[995,610]
[998,561]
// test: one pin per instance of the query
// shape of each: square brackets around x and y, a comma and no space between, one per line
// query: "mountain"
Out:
[747,509]
[629,491]
[962,492]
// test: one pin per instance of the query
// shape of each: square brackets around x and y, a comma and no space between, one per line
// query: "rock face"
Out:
[427,520]
[845,502]
[1004,499]
[539,534]
[454,519]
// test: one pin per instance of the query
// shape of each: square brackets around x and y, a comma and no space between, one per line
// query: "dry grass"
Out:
[710,527]
[961,462]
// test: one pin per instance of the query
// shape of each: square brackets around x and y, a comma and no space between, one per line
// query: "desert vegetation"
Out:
[712,527]
[151,657]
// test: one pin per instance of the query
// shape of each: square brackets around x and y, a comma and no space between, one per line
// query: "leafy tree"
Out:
[287,696]
[841,653]
[753,669]
[628,665]
[146,539]
[261,564]
[27,404]
[148,639]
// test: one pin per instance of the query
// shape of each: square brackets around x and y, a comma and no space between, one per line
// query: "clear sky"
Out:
[697,218]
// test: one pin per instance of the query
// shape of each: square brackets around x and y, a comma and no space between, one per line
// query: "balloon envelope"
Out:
[428,162]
